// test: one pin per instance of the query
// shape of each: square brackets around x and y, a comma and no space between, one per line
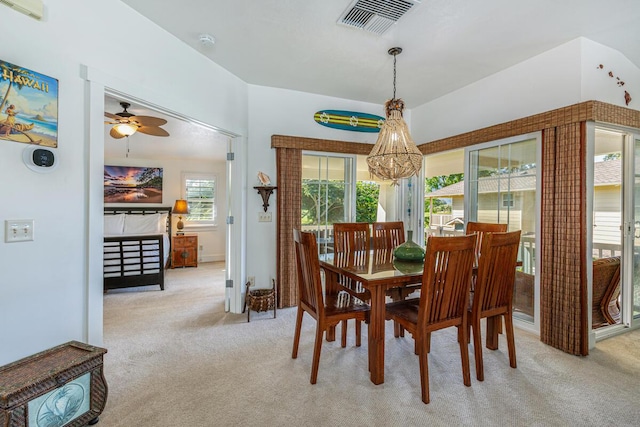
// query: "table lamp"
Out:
[181,208]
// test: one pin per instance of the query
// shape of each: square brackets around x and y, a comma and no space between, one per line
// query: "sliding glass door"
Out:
[339,188]
[633,295]
[501,186]
[327,195]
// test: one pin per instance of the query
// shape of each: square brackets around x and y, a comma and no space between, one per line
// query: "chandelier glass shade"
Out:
[394,155]
[126,129]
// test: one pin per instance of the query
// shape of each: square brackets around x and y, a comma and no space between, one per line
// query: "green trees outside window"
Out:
[323,202]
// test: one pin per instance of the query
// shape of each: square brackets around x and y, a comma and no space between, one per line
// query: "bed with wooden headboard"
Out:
[137,245]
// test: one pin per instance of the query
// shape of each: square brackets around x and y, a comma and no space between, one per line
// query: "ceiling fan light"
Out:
[126,129]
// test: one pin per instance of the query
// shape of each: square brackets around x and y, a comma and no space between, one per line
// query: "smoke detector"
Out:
[376,16]
[206,39]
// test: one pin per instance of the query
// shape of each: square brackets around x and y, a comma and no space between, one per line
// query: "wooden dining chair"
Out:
[388,235]
[351,236]
[493,295]
[352,249]
[328,310]
[481,228]
[443,302]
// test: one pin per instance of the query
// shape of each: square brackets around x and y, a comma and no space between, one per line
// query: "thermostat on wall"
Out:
[40,159]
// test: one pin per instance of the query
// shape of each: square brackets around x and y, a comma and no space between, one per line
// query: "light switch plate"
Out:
[18,230]
[264,217]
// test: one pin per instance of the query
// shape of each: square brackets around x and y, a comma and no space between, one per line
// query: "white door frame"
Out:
[99,84]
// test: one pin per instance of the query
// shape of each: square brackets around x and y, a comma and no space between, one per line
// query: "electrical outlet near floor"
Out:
[252,280]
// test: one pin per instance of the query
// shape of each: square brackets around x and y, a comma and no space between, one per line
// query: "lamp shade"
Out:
[126,129]
[180,207]
[395,155]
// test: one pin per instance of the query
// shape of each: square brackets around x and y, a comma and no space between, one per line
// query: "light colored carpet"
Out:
[175,358]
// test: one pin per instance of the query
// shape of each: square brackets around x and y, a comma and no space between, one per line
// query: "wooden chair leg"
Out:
[316,354]
[464,354]
[511,343]
[296,335]
[396,329]
[423,356]
[358,333]
[477,349]
[343,341]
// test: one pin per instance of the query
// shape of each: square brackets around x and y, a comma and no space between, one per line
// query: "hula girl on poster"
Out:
[28,106]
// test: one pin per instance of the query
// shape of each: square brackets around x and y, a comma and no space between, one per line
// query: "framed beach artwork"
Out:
[28,106]
[131,184]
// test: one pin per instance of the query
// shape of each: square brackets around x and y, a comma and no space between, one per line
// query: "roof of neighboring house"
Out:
[605,173]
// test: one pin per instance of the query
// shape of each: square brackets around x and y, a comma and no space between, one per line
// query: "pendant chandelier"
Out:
[395,155]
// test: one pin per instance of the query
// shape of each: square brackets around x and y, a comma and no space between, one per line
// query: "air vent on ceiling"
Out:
[32,8]
[375,16]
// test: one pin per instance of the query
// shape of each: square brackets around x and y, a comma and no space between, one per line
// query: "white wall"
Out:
[45,293]
[284,112]
[557,78]
[539,84]
[596,83]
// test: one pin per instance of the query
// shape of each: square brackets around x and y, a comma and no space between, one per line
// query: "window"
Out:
[200,193]
[507,200]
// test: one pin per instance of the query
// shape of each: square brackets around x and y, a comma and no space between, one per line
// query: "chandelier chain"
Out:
[394,75]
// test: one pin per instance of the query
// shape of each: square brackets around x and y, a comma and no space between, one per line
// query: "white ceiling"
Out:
[447,44]
[297,44]
[186,140]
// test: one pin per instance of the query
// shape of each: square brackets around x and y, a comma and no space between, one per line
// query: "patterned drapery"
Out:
[289,171]
[563,286]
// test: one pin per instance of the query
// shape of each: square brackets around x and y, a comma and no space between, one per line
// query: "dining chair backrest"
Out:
[351,236]
[481,228]
[309,282]
[388,235]
[446,281]
[496,273]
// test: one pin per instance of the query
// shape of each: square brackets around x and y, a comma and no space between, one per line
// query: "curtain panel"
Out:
[289,173]
[563,286]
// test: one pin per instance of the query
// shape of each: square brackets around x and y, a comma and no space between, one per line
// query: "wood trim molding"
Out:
[584,111]
[315,144]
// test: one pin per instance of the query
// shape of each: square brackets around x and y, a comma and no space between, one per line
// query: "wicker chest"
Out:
[61,386]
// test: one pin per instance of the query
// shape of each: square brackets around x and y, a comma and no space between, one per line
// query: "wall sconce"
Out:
[181,208]
[265,191]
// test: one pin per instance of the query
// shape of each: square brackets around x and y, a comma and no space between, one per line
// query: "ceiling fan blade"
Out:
[111,116]
[148,120]
[115,134]
[153,130]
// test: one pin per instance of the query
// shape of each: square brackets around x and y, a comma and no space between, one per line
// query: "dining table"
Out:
[379,273]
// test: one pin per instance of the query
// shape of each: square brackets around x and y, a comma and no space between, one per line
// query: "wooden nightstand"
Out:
[184,251]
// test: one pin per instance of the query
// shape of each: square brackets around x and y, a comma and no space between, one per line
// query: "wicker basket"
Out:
[260,300]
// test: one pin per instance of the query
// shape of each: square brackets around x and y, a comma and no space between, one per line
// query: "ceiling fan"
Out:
[126,124]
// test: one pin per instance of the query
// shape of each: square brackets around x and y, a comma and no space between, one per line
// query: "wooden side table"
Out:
[184,251]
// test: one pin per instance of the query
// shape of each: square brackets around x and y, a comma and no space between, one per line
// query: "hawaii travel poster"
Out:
[28,106]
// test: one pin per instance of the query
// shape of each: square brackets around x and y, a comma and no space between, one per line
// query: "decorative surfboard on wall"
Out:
[349,120]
